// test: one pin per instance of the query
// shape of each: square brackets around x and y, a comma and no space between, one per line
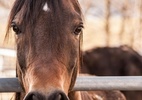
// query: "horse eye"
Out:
[15,28]
[78,30]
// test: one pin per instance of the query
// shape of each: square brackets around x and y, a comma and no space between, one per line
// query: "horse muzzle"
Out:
[56,95]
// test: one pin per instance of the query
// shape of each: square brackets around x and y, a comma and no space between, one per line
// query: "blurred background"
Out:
[107,23]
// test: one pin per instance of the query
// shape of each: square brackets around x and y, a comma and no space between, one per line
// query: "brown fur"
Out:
[48,51]
[116,61]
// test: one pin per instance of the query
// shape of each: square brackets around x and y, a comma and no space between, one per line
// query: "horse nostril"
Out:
[34,96]
[31,96]
[61,97]
[53,96]
[58,96]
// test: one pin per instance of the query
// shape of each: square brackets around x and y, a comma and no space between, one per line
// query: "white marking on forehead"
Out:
[45,7]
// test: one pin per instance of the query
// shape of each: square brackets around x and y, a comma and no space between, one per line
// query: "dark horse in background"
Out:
[48,37]
[114,61]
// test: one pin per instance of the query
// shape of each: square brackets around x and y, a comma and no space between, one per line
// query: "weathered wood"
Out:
[85,83]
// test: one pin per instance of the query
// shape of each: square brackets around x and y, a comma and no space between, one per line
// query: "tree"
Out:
[107,24]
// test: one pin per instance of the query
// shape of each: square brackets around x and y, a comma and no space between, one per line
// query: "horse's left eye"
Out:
[78,30]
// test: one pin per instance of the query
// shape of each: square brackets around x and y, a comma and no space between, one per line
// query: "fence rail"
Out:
[108,83]
[85,83]
[7,52]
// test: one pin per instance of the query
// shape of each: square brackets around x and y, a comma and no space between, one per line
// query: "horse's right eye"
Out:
[15,28]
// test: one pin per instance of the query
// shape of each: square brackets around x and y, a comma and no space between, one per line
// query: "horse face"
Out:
[48,43]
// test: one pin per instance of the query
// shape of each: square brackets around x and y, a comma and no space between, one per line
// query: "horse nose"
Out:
[34,96]
[53,96]
[58,96]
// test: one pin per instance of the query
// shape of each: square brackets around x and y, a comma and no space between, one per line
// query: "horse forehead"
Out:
[45,7]
[66,4]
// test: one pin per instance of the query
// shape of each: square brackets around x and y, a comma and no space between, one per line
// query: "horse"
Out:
[48,37]
[114,61]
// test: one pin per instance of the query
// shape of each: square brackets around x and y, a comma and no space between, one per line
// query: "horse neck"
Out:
[77,95]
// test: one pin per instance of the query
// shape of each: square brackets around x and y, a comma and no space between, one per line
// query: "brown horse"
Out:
[114,61]
[48,36]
